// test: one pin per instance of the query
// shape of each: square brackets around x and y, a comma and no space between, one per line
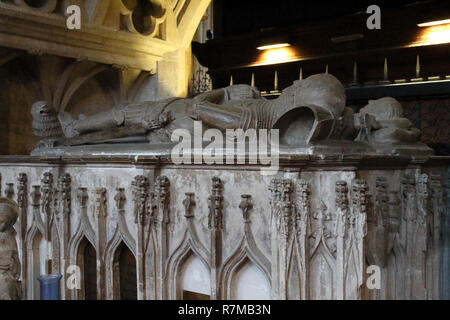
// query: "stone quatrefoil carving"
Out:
[143,16]
[47,6]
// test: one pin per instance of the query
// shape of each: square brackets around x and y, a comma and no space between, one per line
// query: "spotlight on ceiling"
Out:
[273,42]
[433,23]
[274,46]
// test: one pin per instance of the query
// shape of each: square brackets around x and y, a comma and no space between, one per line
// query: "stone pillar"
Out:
[101,214]
[215,224]
[445,251]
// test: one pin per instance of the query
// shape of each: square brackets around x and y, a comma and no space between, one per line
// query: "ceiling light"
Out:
[274,46]
[433,23]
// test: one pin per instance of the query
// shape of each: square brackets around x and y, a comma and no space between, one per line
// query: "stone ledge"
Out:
[304,161]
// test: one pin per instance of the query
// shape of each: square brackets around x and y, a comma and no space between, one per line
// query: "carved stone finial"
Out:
[22,190]
[36,196]
[188,203]
[162,189]
[120,199]
[341,195]
[303,206]
[342,215]
[9,190]
[381,211]
[215,205]
[65,193]
[100,199]
[321,231]
[246,206]
[82,197]
[281,190]
[140,186]
[360,202]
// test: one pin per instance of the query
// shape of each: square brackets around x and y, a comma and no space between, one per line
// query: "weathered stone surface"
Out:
[310,234]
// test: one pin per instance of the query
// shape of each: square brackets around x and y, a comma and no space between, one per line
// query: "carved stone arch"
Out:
[322,252]
[351,268]
[36,223]
[34,261]
[55,243]
[246,250]
[294,271]
[110,251]
[80,257]
[75,247]
[188,246]
[82,230]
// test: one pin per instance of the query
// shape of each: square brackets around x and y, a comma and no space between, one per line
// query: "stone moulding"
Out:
[108,32]
[332,217]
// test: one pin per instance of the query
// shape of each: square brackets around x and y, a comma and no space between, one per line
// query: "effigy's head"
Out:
[9,212]
[386,108]
[322,90]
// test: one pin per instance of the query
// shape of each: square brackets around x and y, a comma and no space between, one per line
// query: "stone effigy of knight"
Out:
[310,112]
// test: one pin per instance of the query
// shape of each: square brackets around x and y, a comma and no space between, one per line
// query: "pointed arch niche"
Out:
[36,265]
[87,261]
[194,278]
[249,283]
[124,274]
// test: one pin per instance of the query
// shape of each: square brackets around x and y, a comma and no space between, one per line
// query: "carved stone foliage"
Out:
[140,187]
[323,236]
[281,204]
[358,218]
[303,208]
[162,197]
[22,190]
[215,215]
[65,195]
[46,199]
